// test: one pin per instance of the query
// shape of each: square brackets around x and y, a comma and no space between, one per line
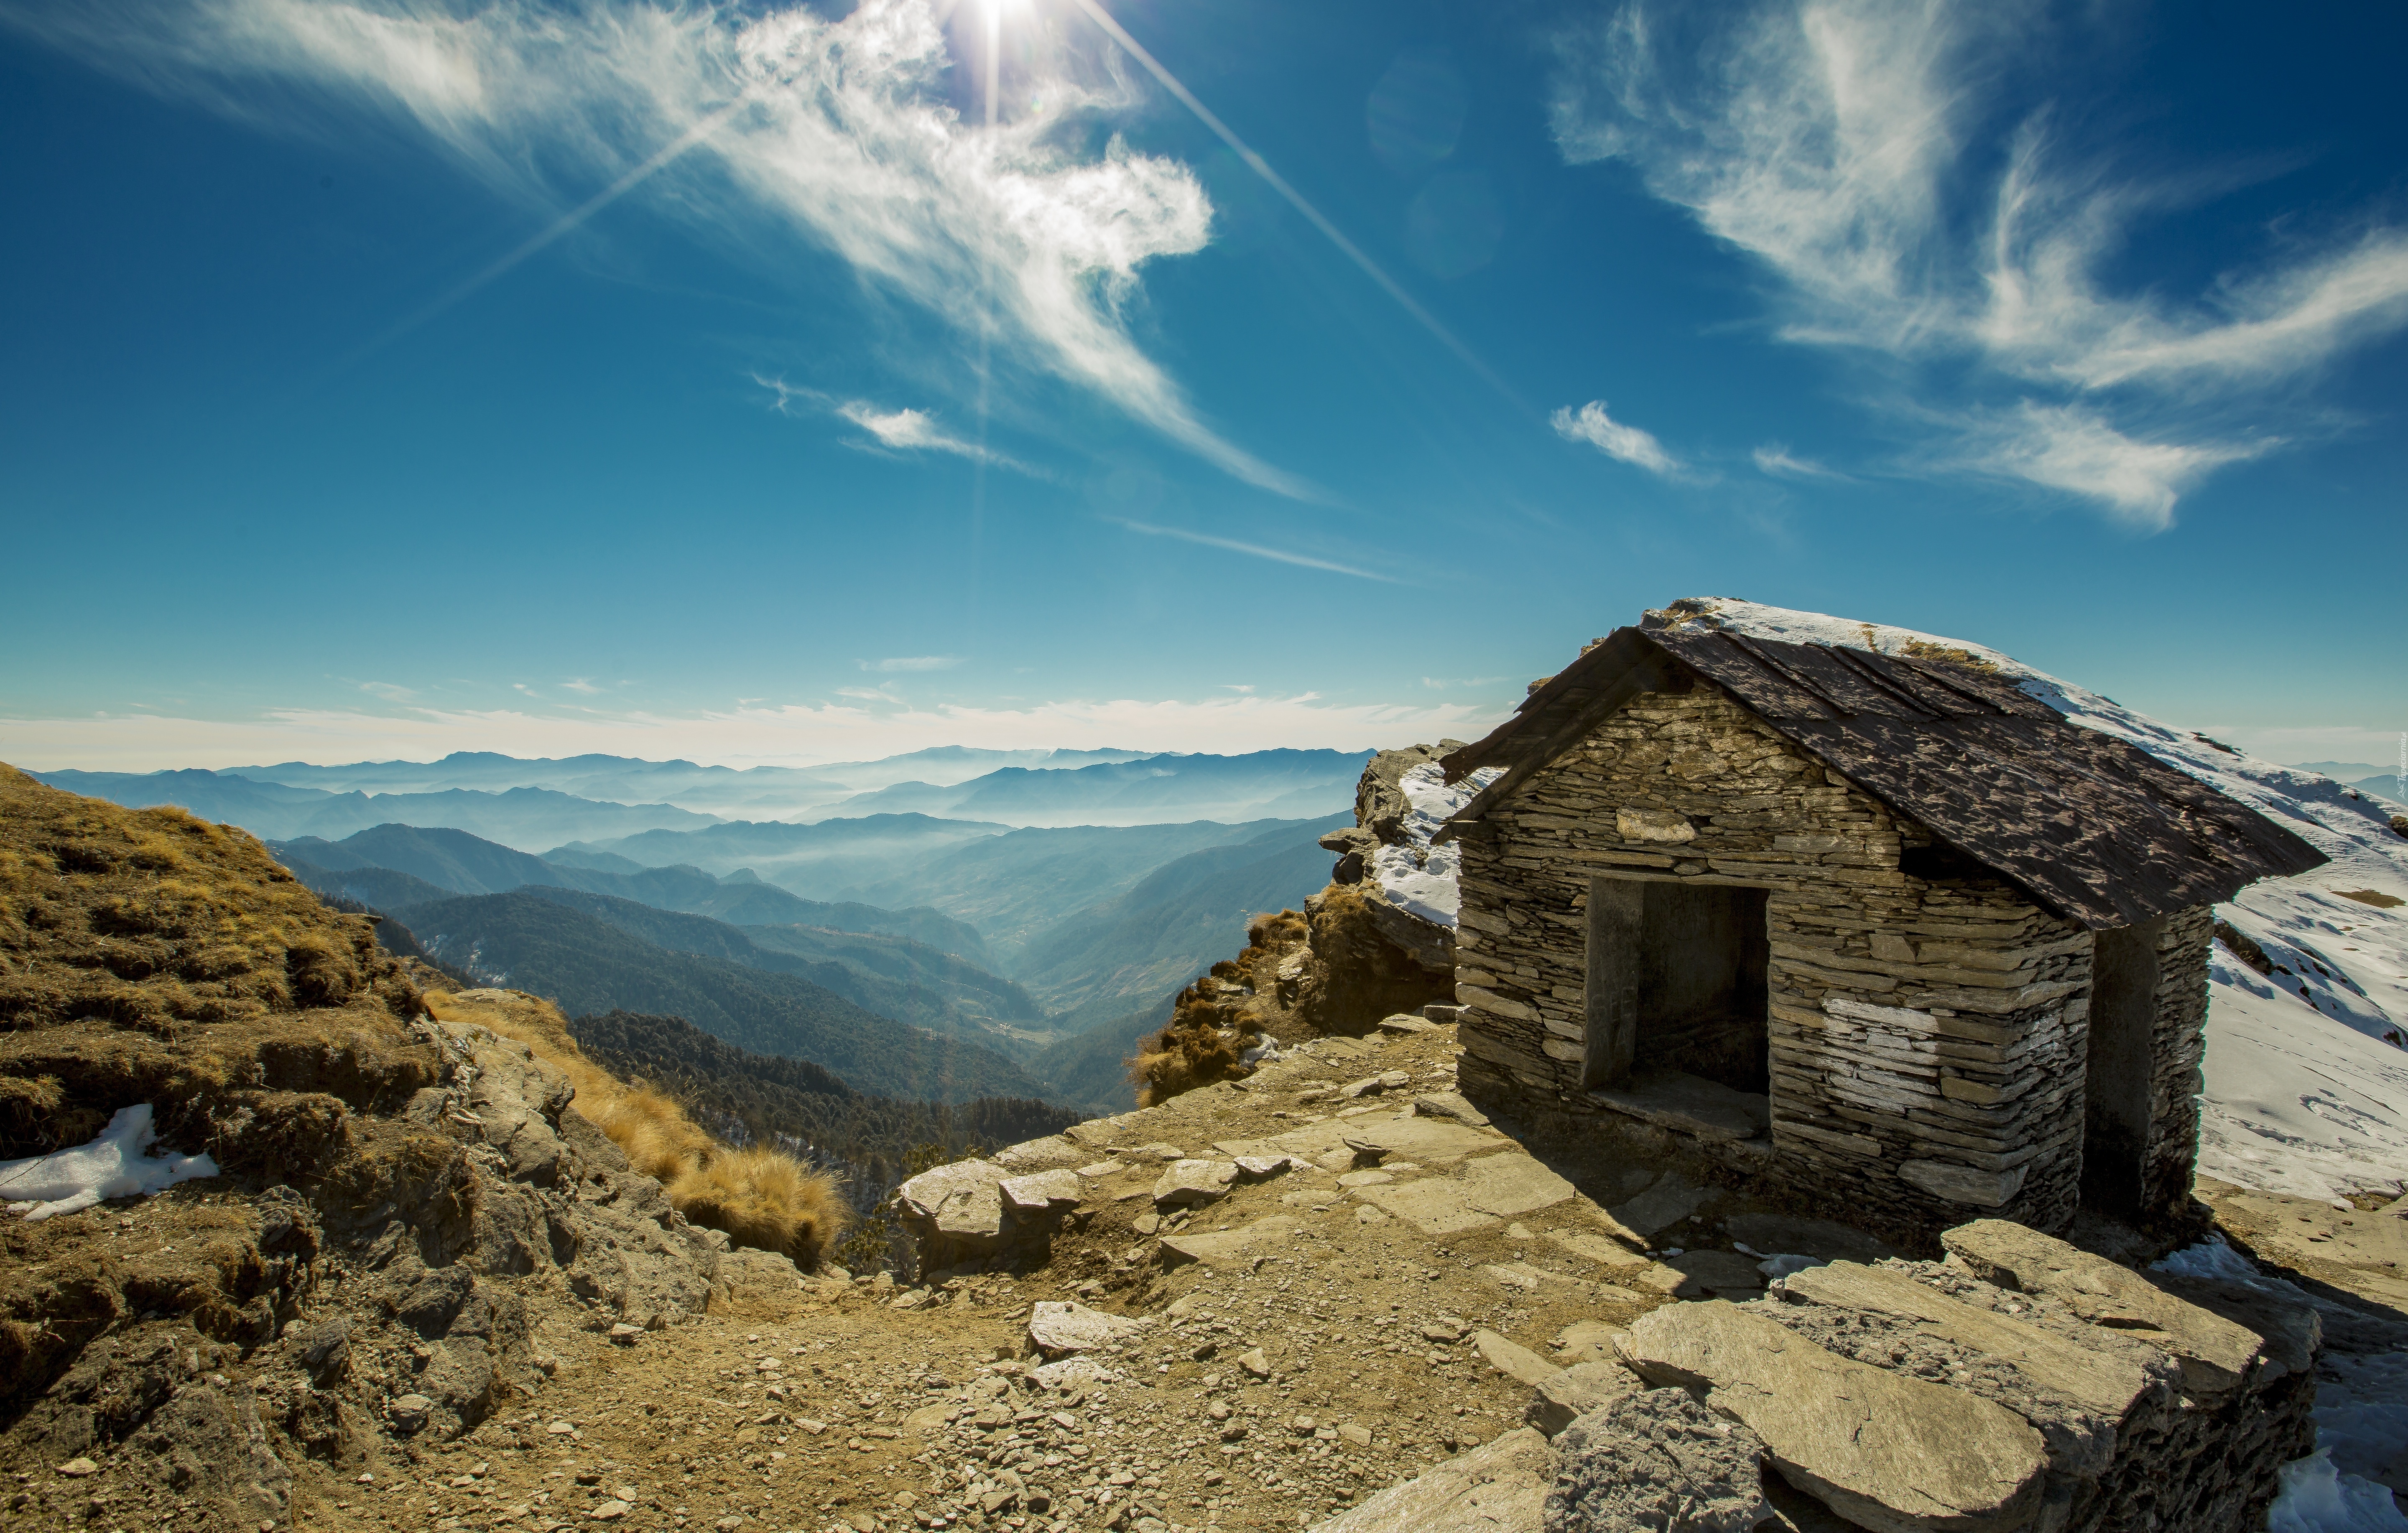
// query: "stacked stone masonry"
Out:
[1927,1037]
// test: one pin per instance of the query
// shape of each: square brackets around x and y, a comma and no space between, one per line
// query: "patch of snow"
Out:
[2316,1497]
[1786,1263]
[111,1166]
[2307,1069]
[1415,875]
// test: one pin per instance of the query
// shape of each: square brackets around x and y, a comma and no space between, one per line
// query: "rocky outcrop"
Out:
[1661,1461]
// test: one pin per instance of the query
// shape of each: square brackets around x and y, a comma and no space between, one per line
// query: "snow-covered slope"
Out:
[2307,1067]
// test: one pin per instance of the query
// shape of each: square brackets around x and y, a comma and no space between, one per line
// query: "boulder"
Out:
[1059,1329]
[2102,1382]
[958,1209]
[1660,1462]
[1515,1361]
[1192,1183]
[1405,1022]
[1575,1391]
[1046,1190]
[2218,1356]
[1499,1487]
[1895,1455]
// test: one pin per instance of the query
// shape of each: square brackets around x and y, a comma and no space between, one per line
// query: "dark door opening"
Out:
[2116,1081]
[1676,981]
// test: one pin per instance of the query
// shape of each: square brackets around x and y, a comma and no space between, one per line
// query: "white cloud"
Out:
[795,735]
[583,685]
[1253,549]
[913,663]
[1630,444]
[2069,448]
[841,129]
[1774,458]
[1843,145]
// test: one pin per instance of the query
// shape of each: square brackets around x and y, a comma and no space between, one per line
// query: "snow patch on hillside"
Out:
[1413,874]
[112,1166]
[2307,1080]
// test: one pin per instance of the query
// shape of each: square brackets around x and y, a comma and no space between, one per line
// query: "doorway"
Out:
[1676,981]
[2117,1084]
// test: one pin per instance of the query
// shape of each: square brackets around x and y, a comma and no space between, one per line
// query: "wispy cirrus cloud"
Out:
[1846,146]
[1256,551]
[911,663]
[1774,458]
[1590,424]
[840,131]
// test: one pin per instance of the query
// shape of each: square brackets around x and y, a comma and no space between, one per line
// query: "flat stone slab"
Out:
[1043,1192]
[1052,1153]
[1499,1487]
[1672,1199]
[1513,1360]
[2218,1356]
[1059,1329]
[1488,1190]
[1189,1183]
[1585,1341]
[1783,1235]
[2106,1384]
[963,1201]
[1223,1249]
[1372,1084]
[1660,1461]
[1724,1272]
[1598,1248]
[1692,1105]
[1448,1104]
[1405,1022]
[1894,1453]
[1429,1141]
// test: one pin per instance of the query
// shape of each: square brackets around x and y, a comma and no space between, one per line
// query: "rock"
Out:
[1192,1183]
[2102,1382]
[1405,1022]
[1158,1151]
[1052,1153]
[1576,1392]
[1055,1191]
[1427,1140]
[76,1468]
[1358,1436]
[1515,1361]
[1489,1191]
[624,1335]
[1672,1199]
[609,1512]
[1372,1084]
[1365,1179]
[1365,1152]
[1225,1250]
[408,1412]
[1897,1455]
[1146,1224]
[1598,1248]
[2217,1354]
[1448,1104]
[958,1209]
[1778,1234]
[2291,1332]
[1657,1461]
[1061,1328]
[1264,1168]
[1586,1342]
[1724,1273]
[1255,1364]
[1500,1487]
[1071,1372]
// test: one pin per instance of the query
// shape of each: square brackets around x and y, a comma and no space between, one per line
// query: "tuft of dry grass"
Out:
[1216,1019]
[760,1197]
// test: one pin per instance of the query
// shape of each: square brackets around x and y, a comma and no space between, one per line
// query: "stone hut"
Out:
[1885,930]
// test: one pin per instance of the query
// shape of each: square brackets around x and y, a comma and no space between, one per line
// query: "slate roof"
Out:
[2090,826]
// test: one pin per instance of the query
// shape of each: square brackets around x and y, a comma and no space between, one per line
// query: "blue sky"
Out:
[391,379]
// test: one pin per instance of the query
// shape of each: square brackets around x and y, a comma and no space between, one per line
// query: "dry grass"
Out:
[2375,897]
[759,1197]
[1215,1020]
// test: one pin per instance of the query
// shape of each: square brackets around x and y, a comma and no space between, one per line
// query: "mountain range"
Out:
[535,804]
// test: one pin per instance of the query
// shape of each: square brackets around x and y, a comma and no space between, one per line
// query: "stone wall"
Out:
[2179,1051]
[1927,1035]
